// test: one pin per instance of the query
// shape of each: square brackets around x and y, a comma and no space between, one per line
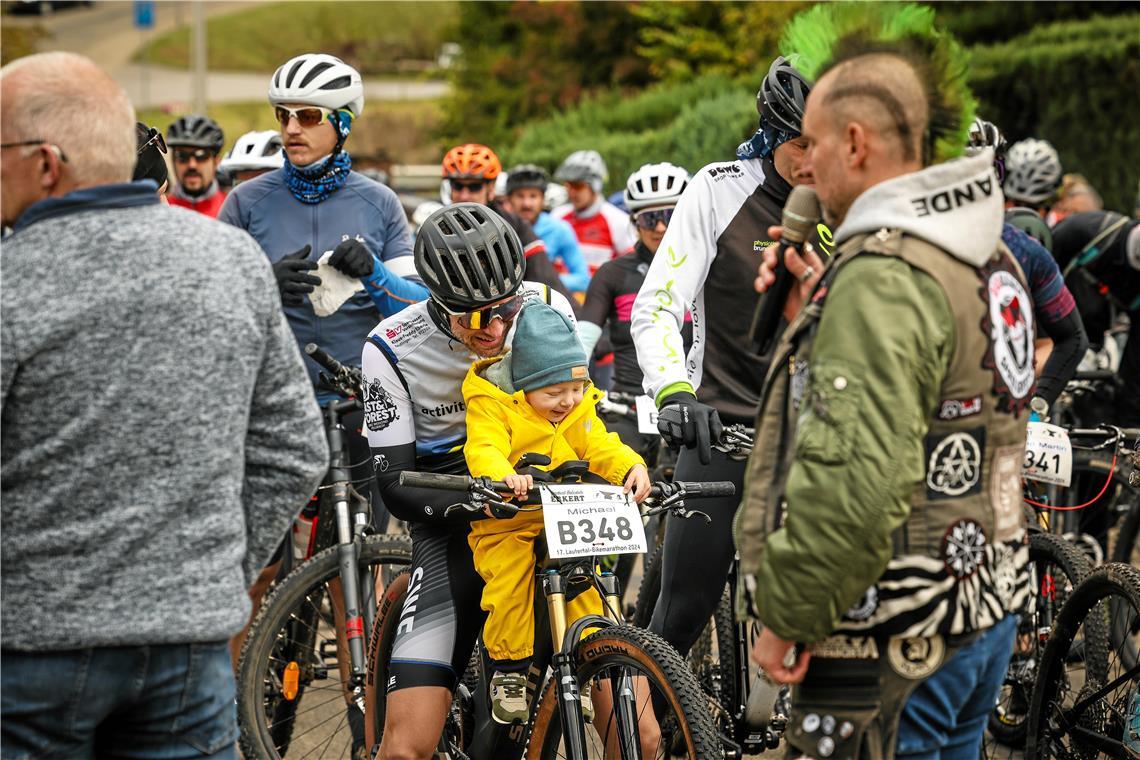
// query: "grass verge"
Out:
[376,37]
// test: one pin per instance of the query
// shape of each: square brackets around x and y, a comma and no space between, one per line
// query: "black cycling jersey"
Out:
[609,300]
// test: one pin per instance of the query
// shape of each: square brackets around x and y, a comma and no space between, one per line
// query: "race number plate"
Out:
[646,416]
[1048,454]
[584,520]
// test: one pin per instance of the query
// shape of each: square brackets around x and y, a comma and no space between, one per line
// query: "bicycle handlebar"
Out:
[321,357]
[443,482]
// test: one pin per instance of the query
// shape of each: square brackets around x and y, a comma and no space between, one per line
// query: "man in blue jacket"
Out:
[526,192]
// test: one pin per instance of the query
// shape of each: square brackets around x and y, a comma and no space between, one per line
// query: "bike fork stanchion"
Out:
[348,554]
[566,682]
[621,687]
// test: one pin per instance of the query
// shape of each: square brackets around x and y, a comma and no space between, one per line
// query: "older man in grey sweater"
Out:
[159,433]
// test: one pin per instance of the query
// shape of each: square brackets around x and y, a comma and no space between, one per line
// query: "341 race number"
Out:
[1048,454]
[584,520]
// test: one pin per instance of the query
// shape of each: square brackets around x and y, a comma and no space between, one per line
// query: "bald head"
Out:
[66,100]
[882,92]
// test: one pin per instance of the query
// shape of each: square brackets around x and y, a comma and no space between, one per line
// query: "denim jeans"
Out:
[143,703]
[946,716]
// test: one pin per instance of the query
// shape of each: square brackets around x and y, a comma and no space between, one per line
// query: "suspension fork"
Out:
[565,680]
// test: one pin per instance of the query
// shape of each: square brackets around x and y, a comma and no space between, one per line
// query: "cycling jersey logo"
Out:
[403,332]
[408,614]
[1011,339]
[718,173]
[964,548]
[954,464]
[865,607]
[379,408]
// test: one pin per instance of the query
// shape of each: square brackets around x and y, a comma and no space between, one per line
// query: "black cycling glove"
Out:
[353,258]
[291,278]
[684,421]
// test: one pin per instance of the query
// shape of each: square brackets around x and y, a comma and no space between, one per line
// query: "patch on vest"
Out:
[917,657]
[957,408]
[954,463]
[1006,494]
[841,647]
[379,408]
[1009,329]
[865,607]
[964,548]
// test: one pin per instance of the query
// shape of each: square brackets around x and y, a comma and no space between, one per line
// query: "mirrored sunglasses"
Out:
[154,137]
[307,117]
[183,155]
[648,220]
[477,320]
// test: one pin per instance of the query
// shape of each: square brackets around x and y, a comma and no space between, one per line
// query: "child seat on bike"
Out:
[536,400]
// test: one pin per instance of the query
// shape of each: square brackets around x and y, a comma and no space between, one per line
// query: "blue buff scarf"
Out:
[764,142]
[314,184]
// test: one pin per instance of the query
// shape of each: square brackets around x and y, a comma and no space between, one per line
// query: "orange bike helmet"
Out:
[471,161]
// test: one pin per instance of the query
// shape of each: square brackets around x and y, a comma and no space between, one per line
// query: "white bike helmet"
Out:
[584,166]
[655,186]
[255,150]
[317,79]
[555,196]
[1032,172]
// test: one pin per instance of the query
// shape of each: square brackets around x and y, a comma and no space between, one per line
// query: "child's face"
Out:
[554,402]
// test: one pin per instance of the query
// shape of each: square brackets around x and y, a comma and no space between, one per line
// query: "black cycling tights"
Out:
[697,555]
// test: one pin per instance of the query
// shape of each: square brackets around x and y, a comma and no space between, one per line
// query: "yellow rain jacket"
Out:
[501,427]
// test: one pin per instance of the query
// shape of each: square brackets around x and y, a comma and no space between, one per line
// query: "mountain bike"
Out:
[750,714]
[1078,711]
[302,669]
[643,678]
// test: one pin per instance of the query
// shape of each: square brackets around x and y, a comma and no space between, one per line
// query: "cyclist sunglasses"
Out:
[477,320]
[648,220]
[471,187]
[309,116]
[201,155]
[154,137]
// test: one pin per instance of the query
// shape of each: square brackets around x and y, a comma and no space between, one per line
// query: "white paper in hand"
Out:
[336,287]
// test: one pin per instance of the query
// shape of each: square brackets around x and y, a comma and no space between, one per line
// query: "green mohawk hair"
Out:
[830,33]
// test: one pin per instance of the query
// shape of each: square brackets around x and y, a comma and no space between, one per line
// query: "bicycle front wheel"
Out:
[1082,704]
[291,692]
[670,714]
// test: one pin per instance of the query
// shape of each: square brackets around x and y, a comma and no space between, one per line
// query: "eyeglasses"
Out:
[154,137]
[307,117]
[471,187]
[201,155]
[58,151]
[477,320]
[648,220]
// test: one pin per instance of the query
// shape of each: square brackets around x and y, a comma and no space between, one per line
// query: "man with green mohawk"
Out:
[882,522]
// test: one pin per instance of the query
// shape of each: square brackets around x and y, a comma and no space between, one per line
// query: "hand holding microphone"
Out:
[778,274]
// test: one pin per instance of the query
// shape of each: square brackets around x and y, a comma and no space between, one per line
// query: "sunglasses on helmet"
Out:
[310,116]
[480,318]
[154,137]
[648,220]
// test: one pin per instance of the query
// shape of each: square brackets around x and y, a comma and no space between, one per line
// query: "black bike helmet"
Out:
[527,175]
[782,96]
[1030,222]
[468,257]
[196,132]
[150,163]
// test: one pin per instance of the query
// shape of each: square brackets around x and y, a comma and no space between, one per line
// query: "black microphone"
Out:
[800,217]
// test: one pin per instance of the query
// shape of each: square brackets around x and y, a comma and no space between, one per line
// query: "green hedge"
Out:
[690,124]
[1073,83]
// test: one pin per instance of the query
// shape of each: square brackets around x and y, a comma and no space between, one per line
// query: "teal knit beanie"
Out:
[545,350]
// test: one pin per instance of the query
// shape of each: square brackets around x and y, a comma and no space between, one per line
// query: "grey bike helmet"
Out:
[1033,172]
[584,166]
[468,257]
[527,175]
[782,96]
[1030,222]
[196,131]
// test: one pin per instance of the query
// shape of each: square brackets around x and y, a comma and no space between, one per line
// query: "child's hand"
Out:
[520,484]
[638,481]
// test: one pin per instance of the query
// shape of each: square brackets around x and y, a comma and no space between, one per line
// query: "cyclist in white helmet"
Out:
[603,230]
[1032,175]
[315,204]
[254,154]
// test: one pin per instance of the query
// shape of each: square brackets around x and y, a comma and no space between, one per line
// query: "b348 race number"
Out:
[584,520]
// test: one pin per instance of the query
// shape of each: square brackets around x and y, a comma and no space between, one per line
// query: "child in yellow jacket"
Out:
[537,399]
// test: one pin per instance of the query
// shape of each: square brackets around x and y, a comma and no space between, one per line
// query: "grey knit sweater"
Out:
[158,431]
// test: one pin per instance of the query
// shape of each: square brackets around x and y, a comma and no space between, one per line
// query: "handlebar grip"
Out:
[709,490]
[321,357]
[436,480]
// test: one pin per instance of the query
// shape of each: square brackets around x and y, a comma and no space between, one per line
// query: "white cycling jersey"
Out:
[707,263]
[413,376]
